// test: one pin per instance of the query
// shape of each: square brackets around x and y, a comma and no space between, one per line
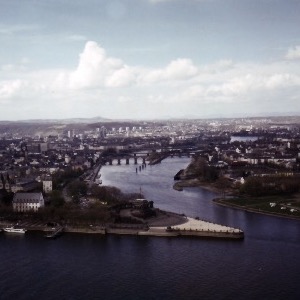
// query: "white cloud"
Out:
[282,81]
[10,88]
[179,69]
[17,67]
[96,69]
[121,77]
[101,83]
[293,53]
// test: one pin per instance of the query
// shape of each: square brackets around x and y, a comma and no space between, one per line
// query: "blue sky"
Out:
[149,58]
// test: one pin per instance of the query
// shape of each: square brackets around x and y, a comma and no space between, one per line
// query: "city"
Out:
[150,149]
[235,154]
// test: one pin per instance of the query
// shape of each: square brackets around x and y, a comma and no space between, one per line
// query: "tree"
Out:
[56,199]
[223,183]
[77,188]
[253,187]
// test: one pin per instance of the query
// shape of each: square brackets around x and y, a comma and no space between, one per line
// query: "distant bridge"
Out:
[125,159]
[141,158]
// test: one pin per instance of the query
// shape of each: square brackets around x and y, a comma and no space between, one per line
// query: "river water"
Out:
[265,265]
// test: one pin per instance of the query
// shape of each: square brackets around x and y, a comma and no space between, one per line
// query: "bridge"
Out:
[141,157]
[118,159]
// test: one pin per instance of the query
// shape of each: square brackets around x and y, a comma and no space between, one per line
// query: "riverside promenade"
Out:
[195,227]
[173,226]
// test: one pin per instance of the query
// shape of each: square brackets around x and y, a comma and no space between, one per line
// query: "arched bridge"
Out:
[125,159]
[141,158]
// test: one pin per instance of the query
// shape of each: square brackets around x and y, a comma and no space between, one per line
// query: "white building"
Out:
[23,202]
[47,184]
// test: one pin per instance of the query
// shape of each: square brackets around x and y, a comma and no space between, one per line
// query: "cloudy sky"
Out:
[149,58]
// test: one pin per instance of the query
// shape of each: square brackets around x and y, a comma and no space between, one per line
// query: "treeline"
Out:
[270,185]
[199,168]
[62,178]
[69,213]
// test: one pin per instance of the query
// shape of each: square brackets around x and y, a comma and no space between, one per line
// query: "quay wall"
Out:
[212,234]
[192,228]
[122,231]
[85,230]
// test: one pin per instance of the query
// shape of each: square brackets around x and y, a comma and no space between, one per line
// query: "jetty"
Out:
[165,224]
[55,233]
[196,228]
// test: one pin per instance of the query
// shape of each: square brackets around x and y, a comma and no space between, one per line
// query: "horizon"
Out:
[149,59]
[99,119]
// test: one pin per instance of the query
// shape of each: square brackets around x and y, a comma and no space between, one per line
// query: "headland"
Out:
[164,224]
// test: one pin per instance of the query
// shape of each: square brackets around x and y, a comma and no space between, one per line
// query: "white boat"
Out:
[14,230]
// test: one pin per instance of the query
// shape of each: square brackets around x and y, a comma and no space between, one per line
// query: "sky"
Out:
[149,59]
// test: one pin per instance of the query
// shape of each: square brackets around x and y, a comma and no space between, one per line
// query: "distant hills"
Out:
[47,127]
[60,121]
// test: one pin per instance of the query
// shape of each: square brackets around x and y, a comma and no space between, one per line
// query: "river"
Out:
[265,265]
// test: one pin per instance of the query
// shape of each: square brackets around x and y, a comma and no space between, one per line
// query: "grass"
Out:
[262,204]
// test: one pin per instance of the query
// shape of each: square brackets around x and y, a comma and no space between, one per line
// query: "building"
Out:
[5,182]
[47,184]
[24,202]
[24,186]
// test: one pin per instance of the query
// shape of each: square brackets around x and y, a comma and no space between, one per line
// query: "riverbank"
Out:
[226,203]
[179,185]
[264,209]
[168,224]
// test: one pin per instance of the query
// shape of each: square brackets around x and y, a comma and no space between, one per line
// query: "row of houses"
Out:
[26,184]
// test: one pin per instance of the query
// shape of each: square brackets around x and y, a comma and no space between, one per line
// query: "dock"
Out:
[188,227]
[196,228]
[55,233]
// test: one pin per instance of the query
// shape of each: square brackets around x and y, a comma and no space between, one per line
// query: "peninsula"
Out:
[274,194]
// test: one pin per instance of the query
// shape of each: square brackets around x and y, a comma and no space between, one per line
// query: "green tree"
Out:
[253,187]
[77,188]
[56,199]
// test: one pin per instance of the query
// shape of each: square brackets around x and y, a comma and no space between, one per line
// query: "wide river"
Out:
[265,265]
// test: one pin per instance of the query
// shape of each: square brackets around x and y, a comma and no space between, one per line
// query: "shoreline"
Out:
[180,185]
[169,225]
[253,210]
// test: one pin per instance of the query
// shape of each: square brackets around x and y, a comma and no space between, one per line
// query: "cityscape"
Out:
[237,154]
[149,149]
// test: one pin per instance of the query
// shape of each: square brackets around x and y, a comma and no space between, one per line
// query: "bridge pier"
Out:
[135,160]
[119,161]
[144,160]
[127,161]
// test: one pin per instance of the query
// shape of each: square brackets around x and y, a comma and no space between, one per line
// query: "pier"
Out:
[196,228]
[55,233]
[172,225]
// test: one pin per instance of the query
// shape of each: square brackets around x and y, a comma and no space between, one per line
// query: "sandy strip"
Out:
[193,224]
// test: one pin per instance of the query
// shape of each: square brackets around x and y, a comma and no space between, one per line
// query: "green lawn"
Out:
[262,204]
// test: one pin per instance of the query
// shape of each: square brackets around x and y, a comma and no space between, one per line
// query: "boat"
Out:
[14,230]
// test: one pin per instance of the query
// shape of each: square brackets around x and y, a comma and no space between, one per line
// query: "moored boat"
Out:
[13,229]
